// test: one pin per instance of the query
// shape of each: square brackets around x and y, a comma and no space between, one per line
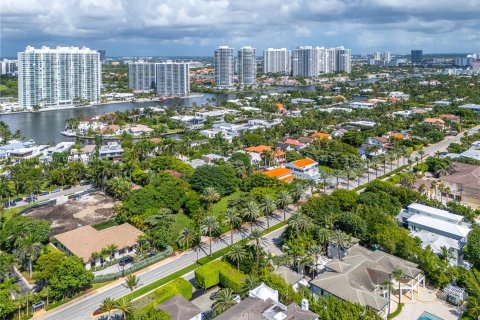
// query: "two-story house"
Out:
[306,169]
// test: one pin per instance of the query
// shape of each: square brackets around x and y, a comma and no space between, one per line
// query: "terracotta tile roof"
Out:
[280,106]
[86,240]
[396,135]
[262,148]
[155,140]
[433,120]
[303,162]
[449,116]
[382,139]
[293,142]
[321,135]
[279,173]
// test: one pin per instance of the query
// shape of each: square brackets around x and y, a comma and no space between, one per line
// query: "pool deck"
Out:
[426,300]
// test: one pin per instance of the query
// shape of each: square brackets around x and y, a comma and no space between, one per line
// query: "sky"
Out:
[197,27]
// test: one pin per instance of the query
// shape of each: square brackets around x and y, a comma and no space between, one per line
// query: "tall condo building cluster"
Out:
[165,78]
[303,61]
[58,77]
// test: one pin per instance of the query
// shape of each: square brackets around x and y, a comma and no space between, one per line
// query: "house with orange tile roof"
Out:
[283,174]
[257,154]
[321,135]
[295,144]
[437,122]
[280,108]
[399,135]
[306,169]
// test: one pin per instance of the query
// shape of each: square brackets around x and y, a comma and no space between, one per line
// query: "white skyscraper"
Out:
[247,66]
[344,58]
[305,61]
[387,56]
[8,67]
[142,76]
[377,56]
[277,61]
[224,66]
[166,78]
[56,77]
[173,78]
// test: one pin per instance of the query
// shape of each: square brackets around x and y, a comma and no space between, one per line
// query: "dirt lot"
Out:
[90,209]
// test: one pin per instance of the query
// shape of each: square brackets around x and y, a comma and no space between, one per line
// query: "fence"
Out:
[78,195]
[136,266]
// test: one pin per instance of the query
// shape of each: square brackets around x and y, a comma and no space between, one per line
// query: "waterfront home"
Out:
[361,275]
[263,303]
[137,129]
[436,228]
[58,148]
[84,154]
[83,242]
[189,121]
[111,151]
[216,115]
[306,169]
[90,124]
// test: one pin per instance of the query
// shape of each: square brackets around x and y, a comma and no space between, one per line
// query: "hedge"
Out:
[221,272]
[396,312]
[177,286]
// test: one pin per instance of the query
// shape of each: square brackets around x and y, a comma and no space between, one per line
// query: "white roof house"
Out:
[417,208]
[454,231]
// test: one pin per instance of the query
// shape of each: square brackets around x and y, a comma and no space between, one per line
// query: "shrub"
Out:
[231,278]
[217,272]
[422,167]
[177,286]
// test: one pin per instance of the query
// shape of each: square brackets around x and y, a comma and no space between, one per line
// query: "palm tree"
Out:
[268,207]
[348,172]
[251,212]
[210,196]
[208,226]
[444,254]
[441,188]
[389,286]
[283,201]
[397,274]
[323,236]
[251,282]
[108,305]
[473,306]
[131,282]
[125,306]
[111,249]
[298,190]
[28,250]
[337,174]
[257,241]
[421,153]
[224,300]
[159,218]
[374,165]
[315,252]
[233,219]
[187,237]
[341,240]
[299,222]
[324,176]
[433,184]
[236,254]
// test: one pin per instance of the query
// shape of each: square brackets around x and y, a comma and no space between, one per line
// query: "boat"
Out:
[69,133]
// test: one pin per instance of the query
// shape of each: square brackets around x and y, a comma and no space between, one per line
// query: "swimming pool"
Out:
[428,316]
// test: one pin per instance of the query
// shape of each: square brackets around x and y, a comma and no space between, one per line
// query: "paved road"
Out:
[56,194]
[87,304]
[429,151]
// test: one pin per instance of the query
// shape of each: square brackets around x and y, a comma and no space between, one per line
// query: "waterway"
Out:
[45,127]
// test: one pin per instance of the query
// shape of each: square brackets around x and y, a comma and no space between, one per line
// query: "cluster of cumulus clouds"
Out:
[145,26]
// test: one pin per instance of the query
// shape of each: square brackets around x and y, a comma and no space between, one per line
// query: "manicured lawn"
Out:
[219,208]
[8,213]
[181,222]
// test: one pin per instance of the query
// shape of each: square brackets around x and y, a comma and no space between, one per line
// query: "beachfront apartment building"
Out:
[58,77]
[247,66]
[167,79]
[224,66]
[277,61]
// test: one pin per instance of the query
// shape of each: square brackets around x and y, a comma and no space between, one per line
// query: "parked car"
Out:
[84,183]
[67,187]
[17,200]
[56,190]
[44,193]
[125,260]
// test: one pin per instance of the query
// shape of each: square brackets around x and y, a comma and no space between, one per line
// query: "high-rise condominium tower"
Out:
[343,61]
[277,61]
[387,56]
[377,56]
[166,78]
[55,77]
[416,56]
[247,66]
[224,66]
[142,76]
[173,78]
[305,61]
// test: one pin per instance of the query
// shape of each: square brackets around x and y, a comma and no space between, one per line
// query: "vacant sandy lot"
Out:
[90,209]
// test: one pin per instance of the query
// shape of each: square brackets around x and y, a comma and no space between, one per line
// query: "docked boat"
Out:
[68,133]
